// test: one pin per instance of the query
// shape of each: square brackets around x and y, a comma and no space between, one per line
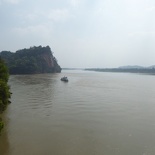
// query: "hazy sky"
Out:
[82,33]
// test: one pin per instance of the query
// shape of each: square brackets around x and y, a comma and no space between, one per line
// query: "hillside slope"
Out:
[31,61]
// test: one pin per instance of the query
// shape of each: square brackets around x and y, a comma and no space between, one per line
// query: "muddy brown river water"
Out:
[93,114]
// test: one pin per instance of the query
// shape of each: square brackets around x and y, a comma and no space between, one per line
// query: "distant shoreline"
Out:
[124,70]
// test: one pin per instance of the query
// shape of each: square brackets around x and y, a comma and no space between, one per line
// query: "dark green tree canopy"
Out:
[4,89]
[3,71]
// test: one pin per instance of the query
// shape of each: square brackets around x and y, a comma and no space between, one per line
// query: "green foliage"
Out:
[4,89]
[4,95]
[29,61]
[3,71]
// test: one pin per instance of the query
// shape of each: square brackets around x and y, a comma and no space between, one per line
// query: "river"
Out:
[95,113]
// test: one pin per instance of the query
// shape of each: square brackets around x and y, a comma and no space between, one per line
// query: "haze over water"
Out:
[93,114]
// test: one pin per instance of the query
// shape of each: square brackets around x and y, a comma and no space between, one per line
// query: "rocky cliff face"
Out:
[31,61]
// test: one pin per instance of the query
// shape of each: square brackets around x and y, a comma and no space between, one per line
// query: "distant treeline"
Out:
[31,61]
[126,70]
[4,90]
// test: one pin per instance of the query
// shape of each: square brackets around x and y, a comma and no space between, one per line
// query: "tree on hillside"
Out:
[4,89]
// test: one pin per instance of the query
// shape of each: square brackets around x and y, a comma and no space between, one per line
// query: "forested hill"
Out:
[31,61]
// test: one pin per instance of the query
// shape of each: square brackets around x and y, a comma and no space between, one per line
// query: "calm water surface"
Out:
[93,114]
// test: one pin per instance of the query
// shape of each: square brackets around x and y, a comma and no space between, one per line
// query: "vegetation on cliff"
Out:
[31,61]
[4,90]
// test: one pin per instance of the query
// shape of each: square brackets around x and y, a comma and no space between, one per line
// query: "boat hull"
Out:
[65,79]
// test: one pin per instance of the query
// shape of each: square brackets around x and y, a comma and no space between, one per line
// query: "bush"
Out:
[4,90]
[4,93]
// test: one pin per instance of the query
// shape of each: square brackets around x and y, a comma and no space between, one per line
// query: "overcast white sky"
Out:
[82,33]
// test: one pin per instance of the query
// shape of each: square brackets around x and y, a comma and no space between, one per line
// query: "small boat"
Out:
[65,79]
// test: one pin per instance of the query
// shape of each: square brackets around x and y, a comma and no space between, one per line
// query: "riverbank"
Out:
[124,70]
[4,90]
